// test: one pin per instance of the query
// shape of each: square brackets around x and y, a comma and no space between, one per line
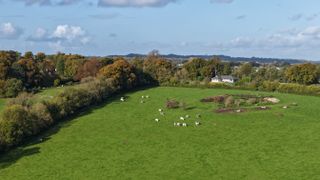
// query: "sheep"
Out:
[187,116]
[184,124]
[174,124]
[141,102]
[122,99]
[147,96]
[142,97]
[162,113]
[157,120]
[198,115]
[160,110]
[178,124]
[182,118]
[197,123]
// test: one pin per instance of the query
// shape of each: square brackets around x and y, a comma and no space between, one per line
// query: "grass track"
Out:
[122,141]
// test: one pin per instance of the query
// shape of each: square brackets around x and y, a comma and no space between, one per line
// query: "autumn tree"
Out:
[302,74]
[89,68]
[122,72]
[158,68]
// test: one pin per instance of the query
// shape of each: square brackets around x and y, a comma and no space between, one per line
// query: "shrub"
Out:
[13,87]
[15,125]
[172,104]
[229,101]
[41,114]
[23,99]
[56,82]
[270,86]
[215,99]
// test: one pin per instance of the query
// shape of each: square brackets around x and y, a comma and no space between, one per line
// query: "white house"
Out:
[224,79]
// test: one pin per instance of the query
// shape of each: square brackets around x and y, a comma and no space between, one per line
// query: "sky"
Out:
[242,28]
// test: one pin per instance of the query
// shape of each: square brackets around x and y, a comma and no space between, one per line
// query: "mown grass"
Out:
[122,141]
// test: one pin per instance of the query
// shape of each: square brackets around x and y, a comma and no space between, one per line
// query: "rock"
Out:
[272,100]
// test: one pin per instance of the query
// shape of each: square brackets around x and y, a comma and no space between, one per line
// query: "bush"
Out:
[56,82]
[24,99]
[41,114]
[270,86]
[172,104]
[13,87]
[15,125]
[229,101]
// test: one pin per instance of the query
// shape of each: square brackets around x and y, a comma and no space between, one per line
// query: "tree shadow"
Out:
[14,155]
[190,108]
[27,148]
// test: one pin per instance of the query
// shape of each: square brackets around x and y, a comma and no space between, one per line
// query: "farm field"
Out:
[121,140]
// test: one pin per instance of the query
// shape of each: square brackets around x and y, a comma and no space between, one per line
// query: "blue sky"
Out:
[268,28]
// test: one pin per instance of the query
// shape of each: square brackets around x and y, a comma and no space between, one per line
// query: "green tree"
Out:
[302,73]
[13,87]
[195,68]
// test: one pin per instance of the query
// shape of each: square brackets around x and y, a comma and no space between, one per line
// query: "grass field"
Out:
[122,141]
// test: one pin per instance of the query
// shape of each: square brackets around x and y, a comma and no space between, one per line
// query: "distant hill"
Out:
[227,58]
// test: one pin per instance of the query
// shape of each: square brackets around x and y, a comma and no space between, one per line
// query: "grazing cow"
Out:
[182,118]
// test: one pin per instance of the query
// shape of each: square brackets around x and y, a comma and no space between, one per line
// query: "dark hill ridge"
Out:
[226,58]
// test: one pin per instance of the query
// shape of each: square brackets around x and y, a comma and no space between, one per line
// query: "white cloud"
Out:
[63,37]
[40,35]
[9,31]
[68,32]
[134,3]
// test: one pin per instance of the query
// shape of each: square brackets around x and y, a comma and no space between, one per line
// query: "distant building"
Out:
[224,79]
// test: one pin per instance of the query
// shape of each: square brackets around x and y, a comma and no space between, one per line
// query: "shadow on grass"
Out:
[30,148]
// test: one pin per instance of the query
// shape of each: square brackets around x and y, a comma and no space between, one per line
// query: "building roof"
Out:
[224,77]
